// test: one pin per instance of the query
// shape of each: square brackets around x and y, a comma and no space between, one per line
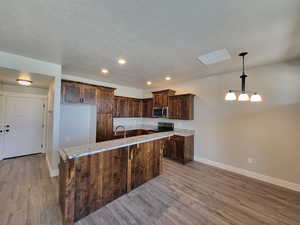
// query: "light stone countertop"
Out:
[89,149]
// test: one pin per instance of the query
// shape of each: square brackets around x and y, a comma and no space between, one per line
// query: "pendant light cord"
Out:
[243,65]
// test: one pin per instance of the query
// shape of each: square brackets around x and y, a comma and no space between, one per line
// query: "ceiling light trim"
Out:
[24,82]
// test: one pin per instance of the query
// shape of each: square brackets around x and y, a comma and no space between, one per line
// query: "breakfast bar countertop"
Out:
[89,149]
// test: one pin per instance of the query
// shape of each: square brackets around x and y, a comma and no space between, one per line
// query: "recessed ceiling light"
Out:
[168,78]
[149,82]
[215,57]
[122,61]
[104,71]
[24,82]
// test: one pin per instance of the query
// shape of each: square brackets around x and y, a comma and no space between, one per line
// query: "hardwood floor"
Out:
[27,195]
[186,194]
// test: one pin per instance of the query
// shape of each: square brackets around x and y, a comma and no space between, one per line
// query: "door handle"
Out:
[7,126]
[6,131]
[1,131]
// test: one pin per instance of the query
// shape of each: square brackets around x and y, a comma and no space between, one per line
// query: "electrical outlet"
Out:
[250,160]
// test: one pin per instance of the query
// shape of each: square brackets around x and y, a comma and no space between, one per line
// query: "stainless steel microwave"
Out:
[160,112]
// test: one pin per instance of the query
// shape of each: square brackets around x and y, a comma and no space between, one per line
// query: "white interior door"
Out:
[1,126]
[23,126]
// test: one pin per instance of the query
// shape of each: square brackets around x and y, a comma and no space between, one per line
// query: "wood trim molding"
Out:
[52,172]
[247,173]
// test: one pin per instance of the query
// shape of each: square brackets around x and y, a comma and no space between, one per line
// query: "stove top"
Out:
[163,127]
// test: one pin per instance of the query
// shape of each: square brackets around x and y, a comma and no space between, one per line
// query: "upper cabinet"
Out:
[127,107]
[102,97]
[88,94]
[70,92]
[134,107]
[120,106]
[181,107]
[105,103]
[105,100]
[161,98]
[147,107]
[75,93]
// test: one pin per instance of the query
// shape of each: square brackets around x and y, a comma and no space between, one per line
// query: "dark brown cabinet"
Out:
[105,103]
[104,130]
[147,107]
[120,106]
[102,97]
[88,94]
[105,100]
[127,107]
[180,148]
[161,98]
[134,107]
[145,162]
[71,93]
[89,182]
[75,93]
[181,107]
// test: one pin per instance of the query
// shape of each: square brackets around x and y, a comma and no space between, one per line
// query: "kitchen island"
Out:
[93,175]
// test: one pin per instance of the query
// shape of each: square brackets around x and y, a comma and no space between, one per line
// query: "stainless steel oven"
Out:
[160,112]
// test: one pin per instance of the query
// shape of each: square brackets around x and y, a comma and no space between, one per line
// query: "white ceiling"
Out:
[9,76]
[157,38]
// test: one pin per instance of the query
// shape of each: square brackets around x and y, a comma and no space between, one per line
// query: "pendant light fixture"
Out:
[243,94]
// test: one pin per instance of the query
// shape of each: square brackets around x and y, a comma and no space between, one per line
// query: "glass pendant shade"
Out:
[243,97]
[230,96]
[256,98]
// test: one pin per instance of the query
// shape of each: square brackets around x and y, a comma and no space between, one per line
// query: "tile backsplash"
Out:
[182,124]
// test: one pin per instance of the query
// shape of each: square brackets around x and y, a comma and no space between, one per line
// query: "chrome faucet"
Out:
[121,126]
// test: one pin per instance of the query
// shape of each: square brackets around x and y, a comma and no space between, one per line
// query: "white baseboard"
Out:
[258,176]
[52,172]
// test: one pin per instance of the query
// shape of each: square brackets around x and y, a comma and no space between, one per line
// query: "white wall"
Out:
[230,132]
[50,120]
[53,126]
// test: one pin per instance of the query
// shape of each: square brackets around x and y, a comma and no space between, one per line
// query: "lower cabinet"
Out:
[180,148]
[145,162]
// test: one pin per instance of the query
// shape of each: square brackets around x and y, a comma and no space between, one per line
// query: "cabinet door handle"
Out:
[7,130]
[1,131]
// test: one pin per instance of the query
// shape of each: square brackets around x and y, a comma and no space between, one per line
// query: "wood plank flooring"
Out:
[183,195]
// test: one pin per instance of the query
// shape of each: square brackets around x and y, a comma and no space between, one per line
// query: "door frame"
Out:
[23,95]
[1,122]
